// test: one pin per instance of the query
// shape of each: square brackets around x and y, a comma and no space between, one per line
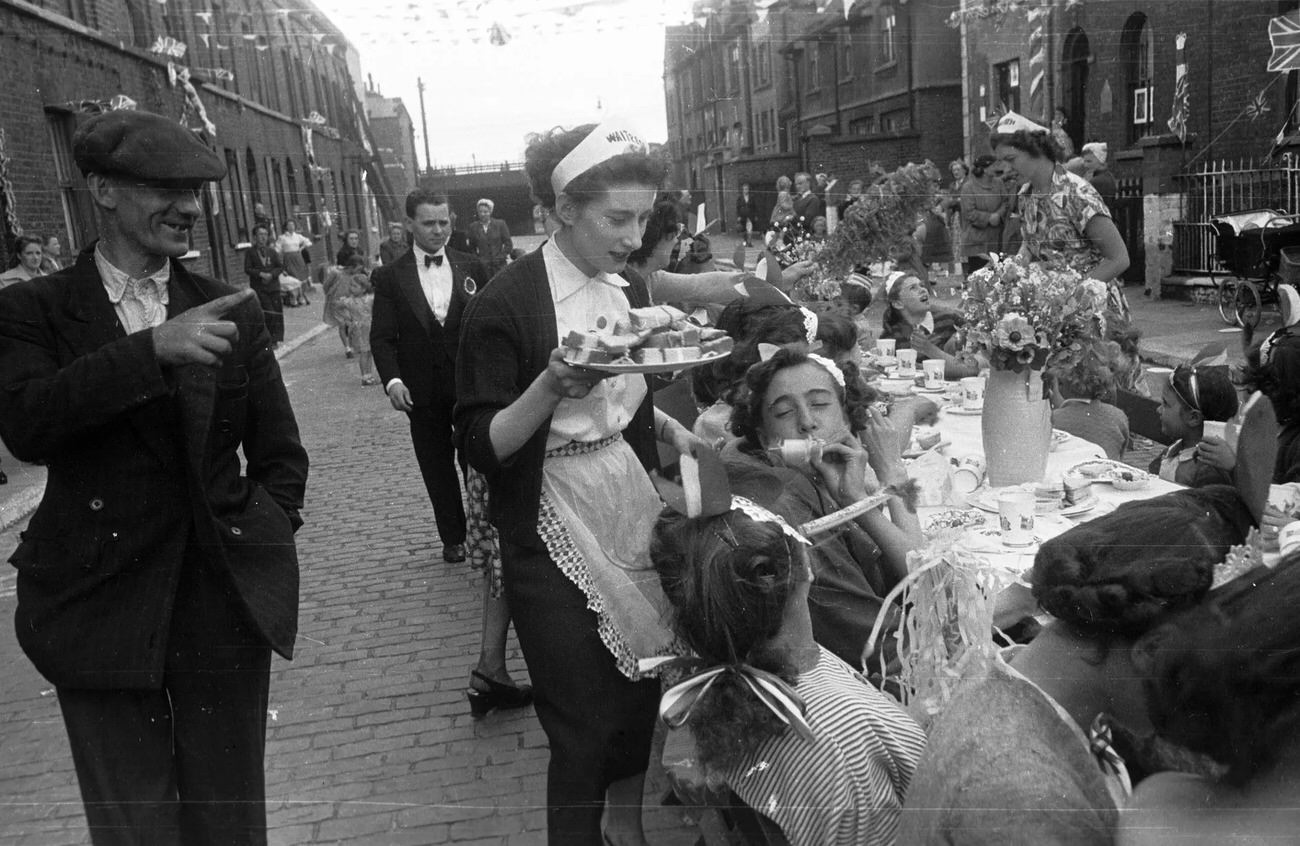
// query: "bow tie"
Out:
[435,260]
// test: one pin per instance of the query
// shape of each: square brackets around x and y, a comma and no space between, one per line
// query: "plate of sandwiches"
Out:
[658,339]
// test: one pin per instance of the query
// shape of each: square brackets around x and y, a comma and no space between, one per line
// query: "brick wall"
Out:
[49,67]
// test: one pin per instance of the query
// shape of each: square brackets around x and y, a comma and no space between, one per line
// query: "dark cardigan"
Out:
[506,338]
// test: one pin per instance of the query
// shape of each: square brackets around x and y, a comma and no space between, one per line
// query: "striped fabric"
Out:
[848,787]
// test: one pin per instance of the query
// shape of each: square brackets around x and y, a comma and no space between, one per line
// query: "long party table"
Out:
[960,436]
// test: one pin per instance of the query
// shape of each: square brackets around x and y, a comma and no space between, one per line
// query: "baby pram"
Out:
[1259,250]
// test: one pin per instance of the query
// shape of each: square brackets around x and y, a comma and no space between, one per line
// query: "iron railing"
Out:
[1222,187]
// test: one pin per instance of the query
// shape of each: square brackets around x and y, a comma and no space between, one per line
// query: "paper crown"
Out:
[705,492]
[1012,122]
[609,139]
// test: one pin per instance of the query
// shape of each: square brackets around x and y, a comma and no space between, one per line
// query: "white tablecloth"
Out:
[962,434]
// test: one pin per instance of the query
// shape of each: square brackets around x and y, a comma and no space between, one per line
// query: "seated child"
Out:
[853,301]
[1078,407]
[794,731]
[1194,394]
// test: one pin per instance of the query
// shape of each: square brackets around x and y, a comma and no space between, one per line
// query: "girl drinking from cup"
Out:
[1193,395]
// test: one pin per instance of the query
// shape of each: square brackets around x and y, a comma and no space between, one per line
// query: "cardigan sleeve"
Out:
[488,369]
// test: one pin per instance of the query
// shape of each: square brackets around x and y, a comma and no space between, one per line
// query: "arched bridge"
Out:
[504,183]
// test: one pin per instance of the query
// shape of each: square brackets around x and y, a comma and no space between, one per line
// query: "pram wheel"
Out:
[1249,304]
[1225,296]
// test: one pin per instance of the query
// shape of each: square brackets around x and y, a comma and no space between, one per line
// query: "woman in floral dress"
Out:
[1063,220]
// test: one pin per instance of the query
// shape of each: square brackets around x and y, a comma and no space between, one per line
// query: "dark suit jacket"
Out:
[507,335]
[746,209]
[258,261]
[143,471]
[406,339]
[493,246]
[808,207]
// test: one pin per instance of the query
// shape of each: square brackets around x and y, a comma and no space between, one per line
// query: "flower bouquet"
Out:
[1023,317]
[790,243]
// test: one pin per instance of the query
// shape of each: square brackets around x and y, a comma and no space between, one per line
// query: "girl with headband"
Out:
[1063,220]
[913,324]
[810,444]
[794,731]
[566,452]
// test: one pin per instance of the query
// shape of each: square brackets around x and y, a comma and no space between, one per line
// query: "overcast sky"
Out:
[562,62]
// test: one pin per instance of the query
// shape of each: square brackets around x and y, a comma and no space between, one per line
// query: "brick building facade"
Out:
[275,85]
[1111,65]
[394,133]
[751,97]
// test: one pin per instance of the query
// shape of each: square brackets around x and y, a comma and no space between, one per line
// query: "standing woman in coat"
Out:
[566,451]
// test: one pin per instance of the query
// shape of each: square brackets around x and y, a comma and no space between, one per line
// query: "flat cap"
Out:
[144,146]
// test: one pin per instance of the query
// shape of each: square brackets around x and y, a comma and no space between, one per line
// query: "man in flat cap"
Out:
[156,576]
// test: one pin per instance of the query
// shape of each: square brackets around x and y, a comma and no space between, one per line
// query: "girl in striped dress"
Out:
[794,731]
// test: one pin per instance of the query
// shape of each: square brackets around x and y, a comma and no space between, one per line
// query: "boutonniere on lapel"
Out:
[470,286]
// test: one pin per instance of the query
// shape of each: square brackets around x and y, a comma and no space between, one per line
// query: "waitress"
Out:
[566,452]
[1063,220]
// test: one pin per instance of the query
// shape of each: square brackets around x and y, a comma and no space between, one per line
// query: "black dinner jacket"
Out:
[144,474]
[407,341]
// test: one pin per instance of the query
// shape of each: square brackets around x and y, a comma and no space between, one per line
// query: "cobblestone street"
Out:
[370,738]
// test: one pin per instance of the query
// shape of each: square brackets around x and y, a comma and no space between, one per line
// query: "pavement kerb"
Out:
[20,506]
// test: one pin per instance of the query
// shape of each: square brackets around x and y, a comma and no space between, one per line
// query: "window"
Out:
[141,29]
[888,29]
[235,201]
[81,11]
[761,64]
[863,126]
[78,216]
[814,66]
[846,55]
[1137,56]
[1007,85]
[733,67]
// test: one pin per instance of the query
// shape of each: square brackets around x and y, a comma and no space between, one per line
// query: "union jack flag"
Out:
[1284,37]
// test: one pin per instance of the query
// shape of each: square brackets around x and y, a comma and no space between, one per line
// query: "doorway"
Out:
[1075,59]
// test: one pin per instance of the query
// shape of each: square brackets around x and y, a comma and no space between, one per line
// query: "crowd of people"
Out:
[703,602]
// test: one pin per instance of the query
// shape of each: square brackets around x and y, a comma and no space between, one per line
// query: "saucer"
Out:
[958,409]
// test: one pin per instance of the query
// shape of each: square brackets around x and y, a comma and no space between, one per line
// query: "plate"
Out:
[924,390]
[954,518]
[1097,468]
[968,412]
[986,499]
[657,367]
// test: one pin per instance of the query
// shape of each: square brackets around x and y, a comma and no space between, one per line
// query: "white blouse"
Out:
[580,304]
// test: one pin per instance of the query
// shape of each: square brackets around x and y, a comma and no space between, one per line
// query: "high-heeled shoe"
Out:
[498,695]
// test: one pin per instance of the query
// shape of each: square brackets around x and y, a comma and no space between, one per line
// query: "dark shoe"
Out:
[4,479]
[498,695]
[453,553]
[348,352]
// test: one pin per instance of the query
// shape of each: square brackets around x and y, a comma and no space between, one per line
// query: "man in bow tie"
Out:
[414,330]
[159,571]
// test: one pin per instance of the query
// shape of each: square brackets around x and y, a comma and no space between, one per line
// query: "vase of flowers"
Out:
[1022,317]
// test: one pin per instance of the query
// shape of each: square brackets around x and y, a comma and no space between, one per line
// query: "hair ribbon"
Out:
[766,351]
[776,695]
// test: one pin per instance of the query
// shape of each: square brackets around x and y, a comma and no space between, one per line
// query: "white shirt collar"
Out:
[566,278]
[927,322]
[116,280]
